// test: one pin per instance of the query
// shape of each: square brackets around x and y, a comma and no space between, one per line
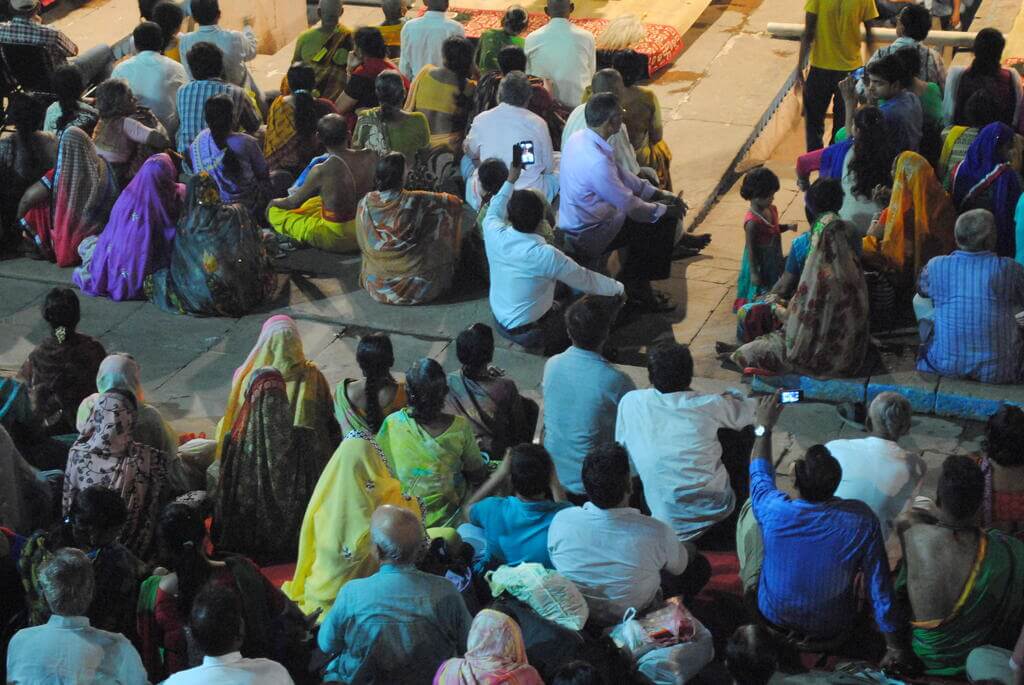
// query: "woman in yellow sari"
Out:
[291,140]
[642,117]
[445,94]
[335,545]
[309,396]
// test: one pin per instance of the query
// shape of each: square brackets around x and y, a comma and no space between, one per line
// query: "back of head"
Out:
[578,673]
[146,9]
[531,470]
[492,174]
[911,60]
[27,112]
[437,5]
[111,96]
[370,42]
[606,475]
[670,366]
[397,534]
[890,414]
[817,474]
[751,655]
[988,51]
[375,357]
[68,83]
[62,310]
[205,61]
[457,55]
[426,387]
[333,130]
[66,582]
[219,112]
[873,151]
[168,16]
[981,109]
[301,82]
[961,487]
[600,108]
[607,81]
[588,322]
[1004,436]
[389,174]
[205,12]
[825,195]
[390,90]
[515,89]
[916,21]
[632,65]
[559,8]
[515,20]
[511,58]
[99,507]
[525,210]
[148,36]
[180,532]
[893,69]
[975,230]
[760,182]
[475,347]
[216,621]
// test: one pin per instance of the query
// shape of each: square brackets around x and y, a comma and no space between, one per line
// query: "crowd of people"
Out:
[441,527]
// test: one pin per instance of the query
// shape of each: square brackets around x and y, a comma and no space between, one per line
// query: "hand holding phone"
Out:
[526,154]
[791,396]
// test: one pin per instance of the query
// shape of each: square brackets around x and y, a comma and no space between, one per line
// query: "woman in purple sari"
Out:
[138,237]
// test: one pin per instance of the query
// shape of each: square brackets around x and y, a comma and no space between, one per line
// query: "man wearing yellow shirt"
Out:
[832,40]
[325,48]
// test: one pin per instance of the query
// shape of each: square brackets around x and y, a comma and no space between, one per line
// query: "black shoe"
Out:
[695,241]
[853,412]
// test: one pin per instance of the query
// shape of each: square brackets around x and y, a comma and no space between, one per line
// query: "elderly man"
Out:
[964,585]
[563,54]
[423,37]
[325,48]
[603,209]
[608,81]
[876,470]
[67,649]
[153,78]
[969,307]
[495,131]
[398,625]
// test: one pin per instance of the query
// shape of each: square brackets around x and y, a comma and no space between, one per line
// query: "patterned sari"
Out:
[643,115]
[985,180]
[328,55]
[410,242]
[283,147]
[58,375]
[495,655]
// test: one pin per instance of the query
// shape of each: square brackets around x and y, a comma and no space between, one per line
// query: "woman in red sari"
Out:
[365,62]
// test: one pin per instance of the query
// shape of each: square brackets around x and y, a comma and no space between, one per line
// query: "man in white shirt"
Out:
[238,47]
[617,557]
[494,131]
[422,38]
[563,54]
[671,433]
[876,470]
[153,78]
[217,626]
[524,269]
[607,81]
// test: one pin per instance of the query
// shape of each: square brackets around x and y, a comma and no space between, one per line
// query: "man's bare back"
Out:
[939,560]
[343,179]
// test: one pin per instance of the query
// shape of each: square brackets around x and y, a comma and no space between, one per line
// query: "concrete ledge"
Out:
[917,387]
[826,389]
[972,400]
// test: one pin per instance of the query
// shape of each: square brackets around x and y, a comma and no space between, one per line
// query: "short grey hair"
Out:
[515,89]
[67,583]
[974,230]
[890,414]
[398,535]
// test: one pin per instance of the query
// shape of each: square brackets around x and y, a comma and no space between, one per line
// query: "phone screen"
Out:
[791,396]
[526,148]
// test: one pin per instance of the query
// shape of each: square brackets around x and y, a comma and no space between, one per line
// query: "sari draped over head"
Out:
[832,159]
[351,418]
[138,237]
[22,493]
[267,474]
[410,242]
[309,397]
[495,655]
[334,543]
[919,220]
[82,191]
[826,330]
[58,374]
[985,180]
[106,453]
[218,266]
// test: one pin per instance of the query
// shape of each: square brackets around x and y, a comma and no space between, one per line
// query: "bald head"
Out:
[333,131]
[607,81]
[397,534]
[330,12]
[559,8]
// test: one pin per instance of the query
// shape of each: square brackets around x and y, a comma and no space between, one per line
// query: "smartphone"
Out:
[526,152]
[791,396]
[858,74]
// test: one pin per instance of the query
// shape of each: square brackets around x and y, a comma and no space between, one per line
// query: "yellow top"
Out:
[837,40]
[392,34]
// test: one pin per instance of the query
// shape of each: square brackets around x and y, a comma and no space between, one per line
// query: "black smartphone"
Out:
[517,156]
[526,152]
[791,396]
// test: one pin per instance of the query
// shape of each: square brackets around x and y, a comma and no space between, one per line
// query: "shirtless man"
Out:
[321,212]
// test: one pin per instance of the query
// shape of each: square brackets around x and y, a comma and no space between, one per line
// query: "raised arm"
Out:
[806,39]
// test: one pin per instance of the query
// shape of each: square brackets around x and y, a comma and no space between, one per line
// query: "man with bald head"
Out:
[325,48]
[398,625]
[422,38]
[563,54]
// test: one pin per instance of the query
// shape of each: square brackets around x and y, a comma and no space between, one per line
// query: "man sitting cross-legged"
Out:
[322,211]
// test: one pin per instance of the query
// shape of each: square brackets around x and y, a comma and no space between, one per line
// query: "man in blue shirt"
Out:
[398,625]
[814,546]
[889,83]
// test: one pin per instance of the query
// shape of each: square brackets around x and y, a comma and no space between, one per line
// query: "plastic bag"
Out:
[663,627]
[621,33]
[679,663]
[552,596]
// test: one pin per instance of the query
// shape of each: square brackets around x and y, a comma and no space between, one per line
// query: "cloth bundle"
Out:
[552,596]
[621,33]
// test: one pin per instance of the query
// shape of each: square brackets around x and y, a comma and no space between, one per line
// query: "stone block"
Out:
[918,388]
[19,295]
[825,389]
[973,400]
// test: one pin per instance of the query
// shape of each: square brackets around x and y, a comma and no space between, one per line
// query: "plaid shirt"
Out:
[24,31]
[192,99]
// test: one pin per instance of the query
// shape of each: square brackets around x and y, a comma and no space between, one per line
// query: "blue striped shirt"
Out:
[192,99]
[975,296]
[812,552]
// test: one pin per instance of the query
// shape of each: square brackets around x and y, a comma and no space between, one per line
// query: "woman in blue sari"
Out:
[987,180]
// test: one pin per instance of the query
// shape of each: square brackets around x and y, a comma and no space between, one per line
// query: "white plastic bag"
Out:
[679,663]
[552,596]
[621,33]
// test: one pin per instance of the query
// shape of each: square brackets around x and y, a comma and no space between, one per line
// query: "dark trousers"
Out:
[820,90]
[649,250]
[545,336]
[689,582]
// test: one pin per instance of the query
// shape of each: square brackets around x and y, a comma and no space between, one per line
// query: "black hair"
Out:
[370,42]
[332,129]
[205,61]
[146,9]
[205,12]
[600,108]
[511,58]
[531,470]
[390,91]
[457,54]
[148,36]
[988,52]
[606,474]
[825,195]
[220,119]
[168,16]
[216,621]
[670,366]
[475,349]
[759,182]
[893,69]
[1004,436]
[916,21]
[100,506]
[110,96]
[981,109]
[390,172]
[301,82]
[631,65]
[375,357]
[911,59]
[426,387]
[588,322]
[28,114]
[525,210]
[961,487]
[180,534]
[61,309]
[751,655]
[515,20]
[578,672]
[817,474]
[873,152]
[492,174]
[68,86]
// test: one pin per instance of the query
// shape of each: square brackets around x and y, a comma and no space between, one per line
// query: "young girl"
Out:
[762,257]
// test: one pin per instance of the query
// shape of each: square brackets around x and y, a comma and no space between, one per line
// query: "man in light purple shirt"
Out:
[603,208]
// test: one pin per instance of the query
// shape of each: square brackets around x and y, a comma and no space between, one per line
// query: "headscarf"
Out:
[920,217]
[334,544]
[495,655]
[84,189]
[832,159]
[983,170]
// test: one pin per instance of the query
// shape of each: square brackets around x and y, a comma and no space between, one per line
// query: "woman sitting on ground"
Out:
[985,73]
[410,239]
[492,41]
[24,158]
[139,235]
[495,653]
[444,94]
[362,404]
[291,139]
[69,109]
[366,62]
[26,493]
[127,134]
[642,117]
[1003,466]
[434,454]
[388,128]
[981,110]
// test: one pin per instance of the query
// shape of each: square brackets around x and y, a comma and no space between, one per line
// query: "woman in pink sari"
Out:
[495,654]
[138,238]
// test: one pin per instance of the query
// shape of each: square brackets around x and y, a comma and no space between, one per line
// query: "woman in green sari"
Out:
[388,128]
[492,41]
[361,404]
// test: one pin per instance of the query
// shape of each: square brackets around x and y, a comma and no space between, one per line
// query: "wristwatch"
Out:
[761,431]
